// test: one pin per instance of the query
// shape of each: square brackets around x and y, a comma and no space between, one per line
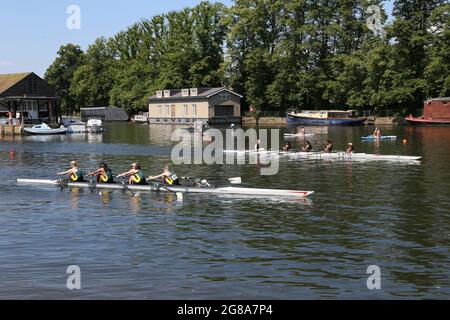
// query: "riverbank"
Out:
[282,121]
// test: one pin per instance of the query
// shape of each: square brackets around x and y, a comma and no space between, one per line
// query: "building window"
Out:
[167,110]
[186,109]
[33,87]
[224,96]
[159,110]
[194,110]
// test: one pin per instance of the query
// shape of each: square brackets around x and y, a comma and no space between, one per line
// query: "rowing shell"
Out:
[297,135]
[352,156]
[221,190]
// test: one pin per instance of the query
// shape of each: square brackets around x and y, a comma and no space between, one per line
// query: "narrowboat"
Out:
[325,117]
[436,111]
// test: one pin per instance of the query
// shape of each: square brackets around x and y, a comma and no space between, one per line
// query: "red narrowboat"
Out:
[436,111]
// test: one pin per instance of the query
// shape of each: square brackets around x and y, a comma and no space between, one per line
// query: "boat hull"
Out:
[380,138]
[45,131]
[153,188]
[292,118]
[428,122]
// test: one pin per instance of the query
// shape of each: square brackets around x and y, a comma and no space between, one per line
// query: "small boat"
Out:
[175,189]
[44,129]
[435,112]
[298,135]
[140,118]
[94,125]
[75,126]
[325,117]
[380,138]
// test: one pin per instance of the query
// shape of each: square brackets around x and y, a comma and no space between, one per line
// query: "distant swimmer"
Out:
[377,133]
[135,174]
[103,174]
[74,173]
[329,146]
[350,148]
[307,147]
[287,147]
[168,177]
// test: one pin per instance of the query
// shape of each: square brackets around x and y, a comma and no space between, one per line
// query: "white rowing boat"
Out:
[174,189]
[297,135]
[351,156]
[325,155]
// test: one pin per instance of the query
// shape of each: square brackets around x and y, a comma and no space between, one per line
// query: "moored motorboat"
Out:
[44,129]
[75,126]
[94,125]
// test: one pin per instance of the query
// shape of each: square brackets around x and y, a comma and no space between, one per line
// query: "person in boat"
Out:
[307,147]
[103,174]
[350,148]
[301,131]
[377,133]
[135,174]
[287,146]
[74,173]
[168,177]
[329,146]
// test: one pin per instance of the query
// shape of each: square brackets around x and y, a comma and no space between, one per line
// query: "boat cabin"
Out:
[437,108]
[325,114]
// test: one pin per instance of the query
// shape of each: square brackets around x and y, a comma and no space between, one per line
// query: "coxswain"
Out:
[168,177]
[257,145]
[349,149]
[287,146]
[103,174]
[135,174]
[307,147]
[329,146]
[74,173]
[301,131]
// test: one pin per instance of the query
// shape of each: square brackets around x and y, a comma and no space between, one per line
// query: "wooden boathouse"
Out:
[26,98]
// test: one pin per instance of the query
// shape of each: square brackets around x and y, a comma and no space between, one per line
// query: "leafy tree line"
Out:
[277,53]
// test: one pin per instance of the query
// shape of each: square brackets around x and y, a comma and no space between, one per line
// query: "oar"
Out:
[125,187]
[235,180]
[159,185]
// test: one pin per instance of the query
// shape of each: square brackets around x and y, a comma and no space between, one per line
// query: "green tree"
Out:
[61,71]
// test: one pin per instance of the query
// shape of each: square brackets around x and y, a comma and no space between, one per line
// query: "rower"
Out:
[135,174]
[301,131]
[103,174]
[350,148]
[74,173]
[168,177]
[377,133]
[287,146]
[329,146]
[307,147]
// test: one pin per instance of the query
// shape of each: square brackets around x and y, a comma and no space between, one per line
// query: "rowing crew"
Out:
[307,147]
[135,175]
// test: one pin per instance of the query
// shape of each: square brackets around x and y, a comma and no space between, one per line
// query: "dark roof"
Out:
[105,113]
[9,80]
[202,93]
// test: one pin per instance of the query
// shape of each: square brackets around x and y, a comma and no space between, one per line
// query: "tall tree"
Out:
[61,71]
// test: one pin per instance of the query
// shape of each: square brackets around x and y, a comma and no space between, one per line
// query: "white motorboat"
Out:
[94,125]
[44,129]
[75,126]
[140,118]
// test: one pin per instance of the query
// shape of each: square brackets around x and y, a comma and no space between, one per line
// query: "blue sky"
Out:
[33,31]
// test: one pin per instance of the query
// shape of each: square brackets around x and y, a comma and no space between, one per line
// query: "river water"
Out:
[150,246]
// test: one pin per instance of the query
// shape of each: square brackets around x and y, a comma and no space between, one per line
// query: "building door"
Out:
[223,111]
